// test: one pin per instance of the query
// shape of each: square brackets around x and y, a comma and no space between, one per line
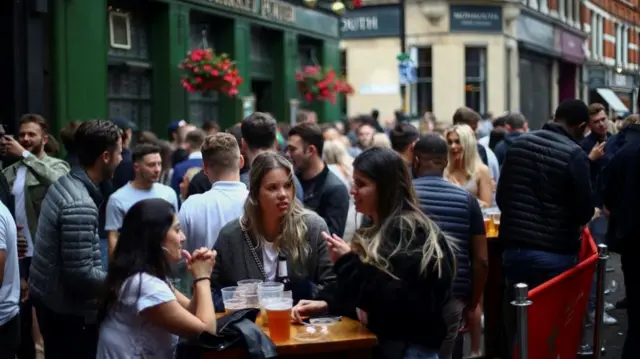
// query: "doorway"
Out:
[261,89]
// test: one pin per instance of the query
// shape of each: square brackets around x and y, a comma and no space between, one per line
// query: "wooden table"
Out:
[347,339]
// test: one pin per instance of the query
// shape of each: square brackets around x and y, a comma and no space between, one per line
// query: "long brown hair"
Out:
[293,234]
[397,208]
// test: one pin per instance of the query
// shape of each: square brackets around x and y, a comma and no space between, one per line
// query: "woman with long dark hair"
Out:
[395,275]
[142,313]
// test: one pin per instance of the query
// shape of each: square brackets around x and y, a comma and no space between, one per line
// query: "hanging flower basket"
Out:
[316,84]
[204,71]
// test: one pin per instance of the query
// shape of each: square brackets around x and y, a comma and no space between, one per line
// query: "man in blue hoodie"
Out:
[516,126]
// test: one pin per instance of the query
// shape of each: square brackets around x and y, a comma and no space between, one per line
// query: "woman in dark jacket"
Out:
[274,225]
[396,275]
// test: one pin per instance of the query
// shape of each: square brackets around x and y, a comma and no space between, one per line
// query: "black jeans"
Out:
[66,336]
[10,338]
[631,272]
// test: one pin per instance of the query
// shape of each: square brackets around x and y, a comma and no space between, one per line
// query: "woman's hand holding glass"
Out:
[308,308]
[337,246]
[200,262]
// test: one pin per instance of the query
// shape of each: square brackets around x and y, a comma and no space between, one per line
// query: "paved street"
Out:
[613,335]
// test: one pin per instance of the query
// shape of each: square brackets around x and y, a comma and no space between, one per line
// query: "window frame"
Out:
[423,83]
[480,80]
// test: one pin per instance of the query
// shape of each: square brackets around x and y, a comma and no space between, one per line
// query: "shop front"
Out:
[462,55]
[137,75]
[570,64]
[616,91]
[370,42]
[537,54]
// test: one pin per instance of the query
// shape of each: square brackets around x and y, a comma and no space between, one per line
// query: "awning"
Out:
[612,99]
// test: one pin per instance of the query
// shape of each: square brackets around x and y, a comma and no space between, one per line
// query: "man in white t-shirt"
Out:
[10,288]
[203,215]
[147,165]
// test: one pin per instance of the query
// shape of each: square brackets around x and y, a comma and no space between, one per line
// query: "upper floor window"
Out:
[475,66]
[424,87]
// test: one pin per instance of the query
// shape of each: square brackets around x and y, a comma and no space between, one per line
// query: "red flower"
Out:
[205,71]
[314,83]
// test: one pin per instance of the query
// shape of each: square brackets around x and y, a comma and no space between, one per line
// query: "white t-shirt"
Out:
[125,334]
[269,260]
[123,199]
[10,289]
[20,206]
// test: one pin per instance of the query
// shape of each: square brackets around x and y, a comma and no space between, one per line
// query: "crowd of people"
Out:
[384,224]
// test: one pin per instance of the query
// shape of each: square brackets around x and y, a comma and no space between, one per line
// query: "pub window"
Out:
[424,86]
[129,76]
[343,69]
[475,67]
[307,55]
[202,108]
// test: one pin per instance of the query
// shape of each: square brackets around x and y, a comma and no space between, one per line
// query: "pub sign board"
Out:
[371,22]
[475,18]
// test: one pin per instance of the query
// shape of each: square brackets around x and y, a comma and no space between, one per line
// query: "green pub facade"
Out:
[120,58]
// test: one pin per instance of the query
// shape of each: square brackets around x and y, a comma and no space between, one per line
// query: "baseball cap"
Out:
[175,125]
[124,124]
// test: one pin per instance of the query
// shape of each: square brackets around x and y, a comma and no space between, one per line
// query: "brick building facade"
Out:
[592,46]
[613,47]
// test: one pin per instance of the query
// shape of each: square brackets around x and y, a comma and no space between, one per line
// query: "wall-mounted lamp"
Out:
[338,7]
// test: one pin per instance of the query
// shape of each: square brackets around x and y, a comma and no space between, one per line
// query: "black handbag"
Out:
[236,329]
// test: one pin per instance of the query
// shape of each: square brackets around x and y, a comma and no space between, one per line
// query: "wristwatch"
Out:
[25,154]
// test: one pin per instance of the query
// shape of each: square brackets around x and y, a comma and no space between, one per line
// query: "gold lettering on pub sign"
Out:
[270,9]
[243,5]
[277,10]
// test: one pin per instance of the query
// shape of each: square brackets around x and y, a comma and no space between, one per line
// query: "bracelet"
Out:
[201,279]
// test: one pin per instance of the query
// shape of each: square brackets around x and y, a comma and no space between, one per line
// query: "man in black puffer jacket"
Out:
[545,197]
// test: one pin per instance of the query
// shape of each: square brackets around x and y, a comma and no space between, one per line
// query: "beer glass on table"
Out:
[234,298]
[491,221]
[250,291]
[268,290]
[279,316]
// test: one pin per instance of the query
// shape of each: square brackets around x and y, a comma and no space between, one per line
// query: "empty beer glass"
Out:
[279,316]
[234,298]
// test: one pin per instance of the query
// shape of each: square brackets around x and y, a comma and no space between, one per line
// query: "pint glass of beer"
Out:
[279,316]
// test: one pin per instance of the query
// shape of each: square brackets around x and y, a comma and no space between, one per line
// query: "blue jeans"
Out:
[598,228]
[104,253]
[534,267]
[419,352]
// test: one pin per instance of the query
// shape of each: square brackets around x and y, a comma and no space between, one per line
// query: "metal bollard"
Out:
[603,255]
[521,303]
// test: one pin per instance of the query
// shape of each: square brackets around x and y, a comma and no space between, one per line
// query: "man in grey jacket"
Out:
[66,271]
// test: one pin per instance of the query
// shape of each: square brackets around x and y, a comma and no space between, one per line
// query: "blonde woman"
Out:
[381,140]
[341,164]
[397,271]
[274,224]
[465,167]
[184,185]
